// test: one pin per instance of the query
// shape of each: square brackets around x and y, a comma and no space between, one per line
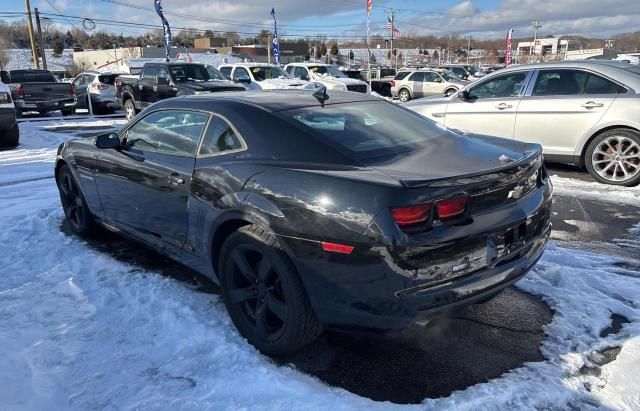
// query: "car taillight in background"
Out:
[73,91]
[393,83]
[20,91]
[5,98]
[99,86]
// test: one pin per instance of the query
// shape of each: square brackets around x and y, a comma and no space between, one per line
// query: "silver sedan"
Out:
[583,113]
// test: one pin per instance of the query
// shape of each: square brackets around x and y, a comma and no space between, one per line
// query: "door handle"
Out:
[592,104]
[176,179]
[503,106]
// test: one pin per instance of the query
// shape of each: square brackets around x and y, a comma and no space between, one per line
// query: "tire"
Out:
[404,95]
[74,205]
[68,112]
[129,109]
[10,137]
[613,157]
[265,299]
[450,92]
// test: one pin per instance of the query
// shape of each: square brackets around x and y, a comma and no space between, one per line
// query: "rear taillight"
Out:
[451,208]
[393,83]
[73,91]
[99,86]
[5,98]
[411,215]
[20,91]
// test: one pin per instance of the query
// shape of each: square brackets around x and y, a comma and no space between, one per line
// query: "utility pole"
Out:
[31,35]
[269,49]
[393,26]
[536,26]
[468,48]
[40,41]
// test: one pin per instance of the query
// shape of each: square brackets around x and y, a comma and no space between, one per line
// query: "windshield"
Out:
[366,129]
[214,74]
[265,73]
[329,70]
[449,76]
[194,72]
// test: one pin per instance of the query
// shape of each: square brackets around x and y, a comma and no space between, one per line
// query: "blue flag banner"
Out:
[165,27]
[276,44]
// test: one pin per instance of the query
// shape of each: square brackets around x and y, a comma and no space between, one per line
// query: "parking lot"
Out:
[554,337]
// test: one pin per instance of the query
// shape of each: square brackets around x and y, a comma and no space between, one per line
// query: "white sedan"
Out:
[582,113]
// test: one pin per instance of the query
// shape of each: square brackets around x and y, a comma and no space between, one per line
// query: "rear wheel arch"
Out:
[220,235]
[582,159]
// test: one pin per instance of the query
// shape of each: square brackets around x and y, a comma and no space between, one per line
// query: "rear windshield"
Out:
[32,77]
[366,130]
[107,78]
[402,75]
[387,72]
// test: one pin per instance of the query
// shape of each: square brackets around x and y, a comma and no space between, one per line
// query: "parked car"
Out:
[582,113]
[260,76]
[100,87]
[412,84]
[327,75]
[41,91]
[159,81]
[9,131]
[315,211]
[381,79]
[464,71]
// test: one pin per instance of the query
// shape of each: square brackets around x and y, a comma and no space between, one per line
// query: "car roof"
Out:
[308,64]
[569,63]
[247,65]
[276,100]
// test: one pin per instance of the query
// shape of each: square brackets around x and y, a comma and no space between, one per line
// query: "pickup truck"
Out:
[9,133]
[41,91]
[159,81]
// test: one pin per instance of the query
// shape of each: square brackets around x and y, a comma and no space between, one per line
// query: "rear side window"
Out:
[365,130]
[417,76]
[402,75]
[573,82]
[107,78]
[32,77]
[175,132]
[220,137]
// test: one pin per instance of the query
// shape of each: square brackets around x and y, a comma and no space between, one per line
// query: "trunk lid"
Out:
[453,160]
[46,91]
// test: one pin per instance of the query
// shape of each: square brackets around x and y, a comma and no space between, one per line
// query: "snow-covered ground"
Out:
[20,59]
[81,330]
[596,191]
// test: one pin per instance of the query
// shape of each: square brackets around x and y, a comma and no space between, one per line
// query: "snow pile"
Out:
[571,187]
[82,330]
[20,59]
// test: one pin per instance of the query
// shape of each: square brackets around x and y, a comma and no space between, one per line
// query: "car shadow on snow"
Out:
[478,343]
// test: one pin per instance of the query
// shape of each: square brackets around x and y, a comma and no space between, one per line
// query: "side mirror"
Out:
[463,95]
[438,80]
[244,80]
[4,77]
[110,140]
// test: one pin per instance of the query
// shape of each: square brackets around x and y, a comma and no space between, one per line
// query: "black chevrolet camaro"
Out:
[312,210]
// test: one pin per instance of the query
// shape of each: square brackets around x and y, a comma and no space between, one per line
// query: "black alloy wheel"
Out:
[73,203]
[263,293]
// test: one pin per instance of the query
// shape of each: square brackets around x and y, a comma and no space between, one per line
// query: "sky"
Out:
[483,19]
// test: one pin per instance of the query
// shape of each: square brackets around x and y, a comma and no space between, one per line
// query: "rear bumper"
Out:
[382,287]
[23,105]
